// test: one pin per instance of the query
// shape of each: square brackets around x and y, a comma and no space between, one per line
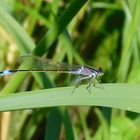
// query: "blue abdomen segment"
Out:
[6,72]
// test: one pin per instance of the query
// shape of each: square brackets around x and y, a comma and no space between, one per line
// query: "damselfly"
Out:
[40,64]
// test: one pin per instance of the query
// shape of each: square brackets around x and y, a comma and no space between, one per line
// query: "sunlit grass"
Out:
[121,96]
[99,34]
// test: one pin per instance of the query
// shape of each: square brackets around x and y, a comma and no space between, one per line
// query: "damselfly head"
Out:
[100,71]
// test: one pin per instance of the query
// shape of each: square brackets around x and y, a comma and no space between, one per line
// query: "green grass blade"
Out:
[59,26]
[128,39]
[84,125]
[122,96]
[13,83]
[68,125]
[19,35]
[54,120]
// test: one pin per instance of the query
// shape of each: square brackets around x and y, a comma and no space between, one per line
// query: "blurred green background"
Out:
[96,33]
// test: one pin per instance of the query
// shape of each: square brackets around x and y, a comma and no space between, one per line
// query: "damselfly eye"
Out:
[100,70]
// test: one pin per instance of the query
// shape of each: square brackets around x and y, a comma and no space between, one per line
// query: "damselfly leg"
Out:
[92,80]
[77,84]
[99,82]
[78,81]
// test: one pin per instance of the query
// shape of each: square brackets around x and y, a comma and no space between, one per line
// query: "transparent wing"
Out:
[38,63]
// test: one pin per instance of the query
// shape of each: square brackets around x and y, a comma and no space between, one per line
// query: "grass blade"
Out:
[122,96]
[54,120]
[59,26]
[19,35]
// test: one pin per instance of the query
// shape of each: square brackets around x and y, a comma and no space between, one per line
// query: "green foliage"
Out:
[97,33]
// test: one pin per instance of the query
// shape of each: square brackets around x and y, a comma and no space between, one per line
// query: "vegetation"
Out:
[96,33]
